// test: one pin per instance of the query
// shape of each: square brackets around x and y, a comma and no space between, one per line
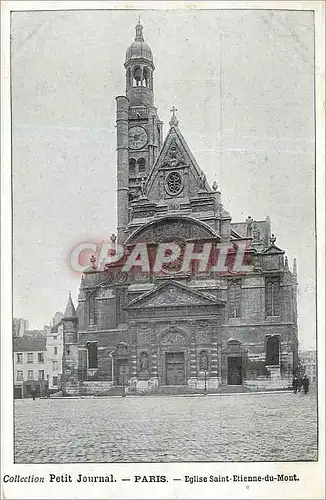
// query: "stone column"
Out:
[122,165]
[213,381]
[192,381]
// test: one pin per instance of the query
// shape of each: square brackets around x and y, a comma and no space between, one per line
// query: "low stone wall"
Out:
[96,388]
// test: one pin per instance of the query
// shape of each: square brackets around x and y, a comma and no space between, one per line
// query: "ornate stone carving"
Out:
[143,362]
[122,277]
[203,361]
[174,156]
[143,337]
[167,230]
[106,293]
[203,337]
[174,205]
[173,337]
[172,296]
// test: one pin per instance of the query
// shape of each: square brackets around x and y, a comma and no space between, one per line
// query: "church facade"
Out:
[191,327]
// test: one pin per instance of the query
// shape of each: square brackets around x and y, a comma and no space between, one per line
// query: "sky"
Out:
[243,84]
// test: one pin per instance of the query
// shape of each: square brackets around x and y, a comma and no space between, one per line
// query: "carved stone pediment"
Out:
[173,294]
[165,231]
[173,156]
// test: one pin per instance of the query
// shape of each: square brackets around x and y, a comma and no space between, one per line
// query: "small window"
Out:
[92,355]
[41,374]
[55,350]
[146,77]
[68,350]
[20,375]
[92,316]
[137,76]
[54,365]
[19,357]
[55,337]
[55,380]
[30,375]
[29,357]
[141,164]
[40,357]
[132,166]
[272,296]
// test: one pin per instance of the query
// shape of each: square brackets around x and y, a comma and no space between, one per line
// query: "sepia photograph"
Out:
[164,241]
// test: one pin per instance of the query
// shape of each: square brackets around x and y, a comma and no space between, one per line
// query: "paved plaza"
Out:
[232,427]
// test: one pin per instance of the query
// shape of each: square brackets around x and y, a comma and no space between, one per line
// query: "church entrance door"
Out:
[175,368]
[235,370]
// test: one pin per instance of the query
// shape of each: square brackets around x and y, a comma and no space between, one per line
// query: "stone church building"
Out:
[175,329]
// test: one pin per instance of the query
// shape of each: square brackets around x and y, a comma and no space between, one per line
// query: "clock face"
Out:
[137,137]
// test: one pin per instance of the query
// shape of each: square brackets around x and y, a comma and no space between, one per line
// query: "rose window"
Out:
[173,183]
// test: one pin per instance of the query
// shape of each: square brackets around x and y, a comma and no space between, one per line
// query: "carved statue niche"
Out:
[202,182]
[143,364]
[203,361]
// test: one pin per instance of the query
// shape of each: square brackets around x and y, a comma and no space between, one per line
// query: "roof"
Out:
[139,49]
[70,311]
[27,343]
[55,328]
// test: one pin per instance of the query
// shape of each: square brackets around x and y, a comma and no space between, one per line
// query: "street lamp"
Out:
[205,388]
[112,364]
[123,371]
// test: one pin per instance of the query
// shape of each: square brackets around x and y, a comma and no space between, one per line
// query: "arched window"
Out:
[92,355]
[129,79]
[137,76]
[92,316]
[132,166]
[146,77]
[273,351]
[234,298]
[141,164]
[272,296]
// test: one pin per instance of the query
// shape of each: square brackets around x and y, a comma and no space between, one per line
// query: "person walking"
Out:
[295,383]
[305,384]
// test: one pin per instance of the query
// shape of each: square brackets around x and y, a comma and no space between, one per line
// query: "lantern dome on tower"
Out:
[139,49]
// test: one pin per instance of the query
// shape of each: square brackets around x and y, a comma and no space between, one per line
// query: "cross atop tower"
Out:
[174,121]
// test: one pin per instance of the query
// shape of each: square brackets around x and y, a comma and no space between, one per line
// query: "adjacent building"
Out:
[56,318]
[19,326]
[54,352]
[308,364]
[179,328]
[30,372]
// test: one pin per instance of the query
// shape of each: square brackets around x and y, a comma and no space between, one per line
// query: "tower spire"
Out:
[70,311]
[139,31]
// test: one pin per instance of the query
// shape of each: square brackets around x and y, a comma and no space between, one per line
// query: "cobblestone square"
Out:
[232,427]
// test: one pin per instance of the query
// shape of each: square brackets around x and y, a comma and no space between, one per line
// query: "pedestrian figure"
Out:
[34,394]
[299,383]
[305,383]
[295,384]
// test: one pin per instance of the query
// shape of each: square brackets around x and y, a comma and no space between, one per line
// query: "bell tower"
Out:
[139,129]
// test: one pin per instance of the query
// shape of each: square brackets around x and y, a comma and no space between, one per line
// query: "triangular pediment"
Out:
[176,154]
[173,294]
[273,250]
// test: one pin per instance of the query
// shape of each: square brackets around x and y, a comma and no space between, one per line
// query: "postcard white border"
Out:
[311,484]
